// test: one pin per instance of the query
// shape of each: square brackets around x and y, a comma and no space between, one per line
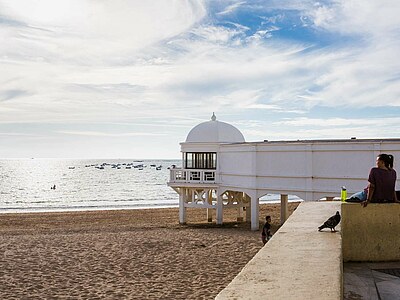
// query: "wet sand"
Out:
[124,254]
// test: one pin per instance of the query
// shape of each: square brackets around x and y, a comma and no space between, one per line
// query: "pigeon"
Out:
[331,223]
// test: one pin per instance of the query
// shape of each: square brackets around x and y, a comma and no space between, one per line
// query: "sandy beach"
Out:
[124,254]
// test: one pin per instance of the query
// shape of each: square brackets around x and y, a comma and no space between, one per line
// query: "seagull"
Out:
[331,223]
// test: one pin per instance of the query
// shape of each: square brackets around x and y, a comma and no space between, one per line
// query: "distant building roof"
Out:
[214,131]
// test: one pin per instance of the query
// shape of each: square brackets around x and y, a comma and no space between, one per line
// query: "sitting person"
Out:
[382,181]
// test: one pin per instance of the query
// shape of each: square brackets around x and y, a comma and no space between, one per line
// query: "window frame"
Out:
[200,160]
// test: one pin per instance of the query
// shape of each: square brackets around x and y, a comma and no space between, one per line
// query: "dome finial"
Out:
[213,118]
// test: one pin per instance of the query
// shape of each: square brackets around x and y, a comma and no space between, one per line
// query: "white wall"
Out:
[308,169]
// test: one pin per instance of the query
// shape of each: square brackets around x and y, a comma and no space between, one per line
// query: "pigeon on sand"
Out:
[331,223]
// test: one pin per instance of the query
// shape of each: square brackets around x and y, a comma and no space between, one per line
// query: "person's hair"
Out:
[387,159]
[267,217]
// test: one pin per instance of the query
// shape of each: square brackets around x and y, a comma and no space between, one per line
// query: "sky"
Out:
[130,78]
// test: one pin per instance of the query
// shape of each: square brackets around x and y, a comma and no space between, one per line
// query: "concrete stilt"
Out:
[284,208]
[254,213]
[220,209]
[182,208]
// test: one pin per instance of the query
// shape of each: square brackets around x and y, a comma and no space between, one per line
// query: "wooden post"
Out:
[240,214]
[209,214]
[209,201]
[247,208]
[284,208]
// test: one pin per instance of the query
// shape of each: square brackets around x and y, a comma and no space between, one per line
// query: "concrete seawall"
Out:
[297,263]
[371,233]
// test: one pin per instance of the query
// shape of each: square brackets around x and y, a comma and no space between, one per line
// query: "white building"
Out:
[219,169]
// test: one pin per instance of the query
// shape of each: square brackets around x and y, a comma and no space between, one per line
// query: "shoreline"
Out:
[131,254]
[104,208]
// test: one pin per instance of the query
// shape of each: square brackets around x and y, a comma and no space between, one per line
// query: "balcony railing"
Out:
[192,176]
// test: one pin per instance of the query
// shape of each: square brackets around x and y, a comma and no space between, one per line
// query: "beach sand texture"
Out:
[123,254]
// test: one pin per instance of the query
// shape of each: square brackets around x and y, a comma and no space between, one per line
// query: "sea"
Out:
[26,185]
[45,185]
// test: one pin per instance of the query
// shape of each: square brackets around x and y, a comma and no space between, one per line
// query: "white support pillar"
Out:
[284,208]
[255,223]
[182,208]
[220,209]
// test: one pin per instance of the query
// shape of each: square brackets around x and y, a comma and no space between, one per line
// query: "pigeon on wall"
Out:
[331,223]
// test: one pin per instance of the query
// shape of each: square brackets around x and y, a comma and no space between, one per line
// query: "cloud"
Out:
[85,32]
[338,122]
[329,128]
[252,62]
[208,61]
[4,21]
[231,8]
[372,18]
[16,134]
[108,134]
[11,94]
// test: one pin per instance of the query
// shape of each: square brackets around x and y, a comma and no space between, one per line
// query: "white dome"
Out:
[214,132]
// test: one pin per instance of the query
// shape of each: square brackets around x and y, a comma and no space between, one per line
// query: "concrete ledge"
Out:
[371,233]
[297,263]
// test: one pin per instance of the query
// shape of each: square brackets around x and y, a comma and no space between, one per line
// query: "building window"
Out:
[200,160]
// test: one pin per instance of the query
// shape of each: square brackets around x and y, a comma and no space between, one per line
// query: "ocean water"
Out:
[25,185]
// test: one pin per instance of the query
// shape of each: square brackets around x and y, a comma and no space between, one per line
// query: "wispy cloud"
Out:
[108,134]
[231,8]
[339,122]
[16,134]
[317,128]
[11,94]
[82,61]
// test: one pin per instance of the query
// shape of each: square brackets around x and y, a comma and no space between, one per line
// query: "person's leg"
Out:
[358,197]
